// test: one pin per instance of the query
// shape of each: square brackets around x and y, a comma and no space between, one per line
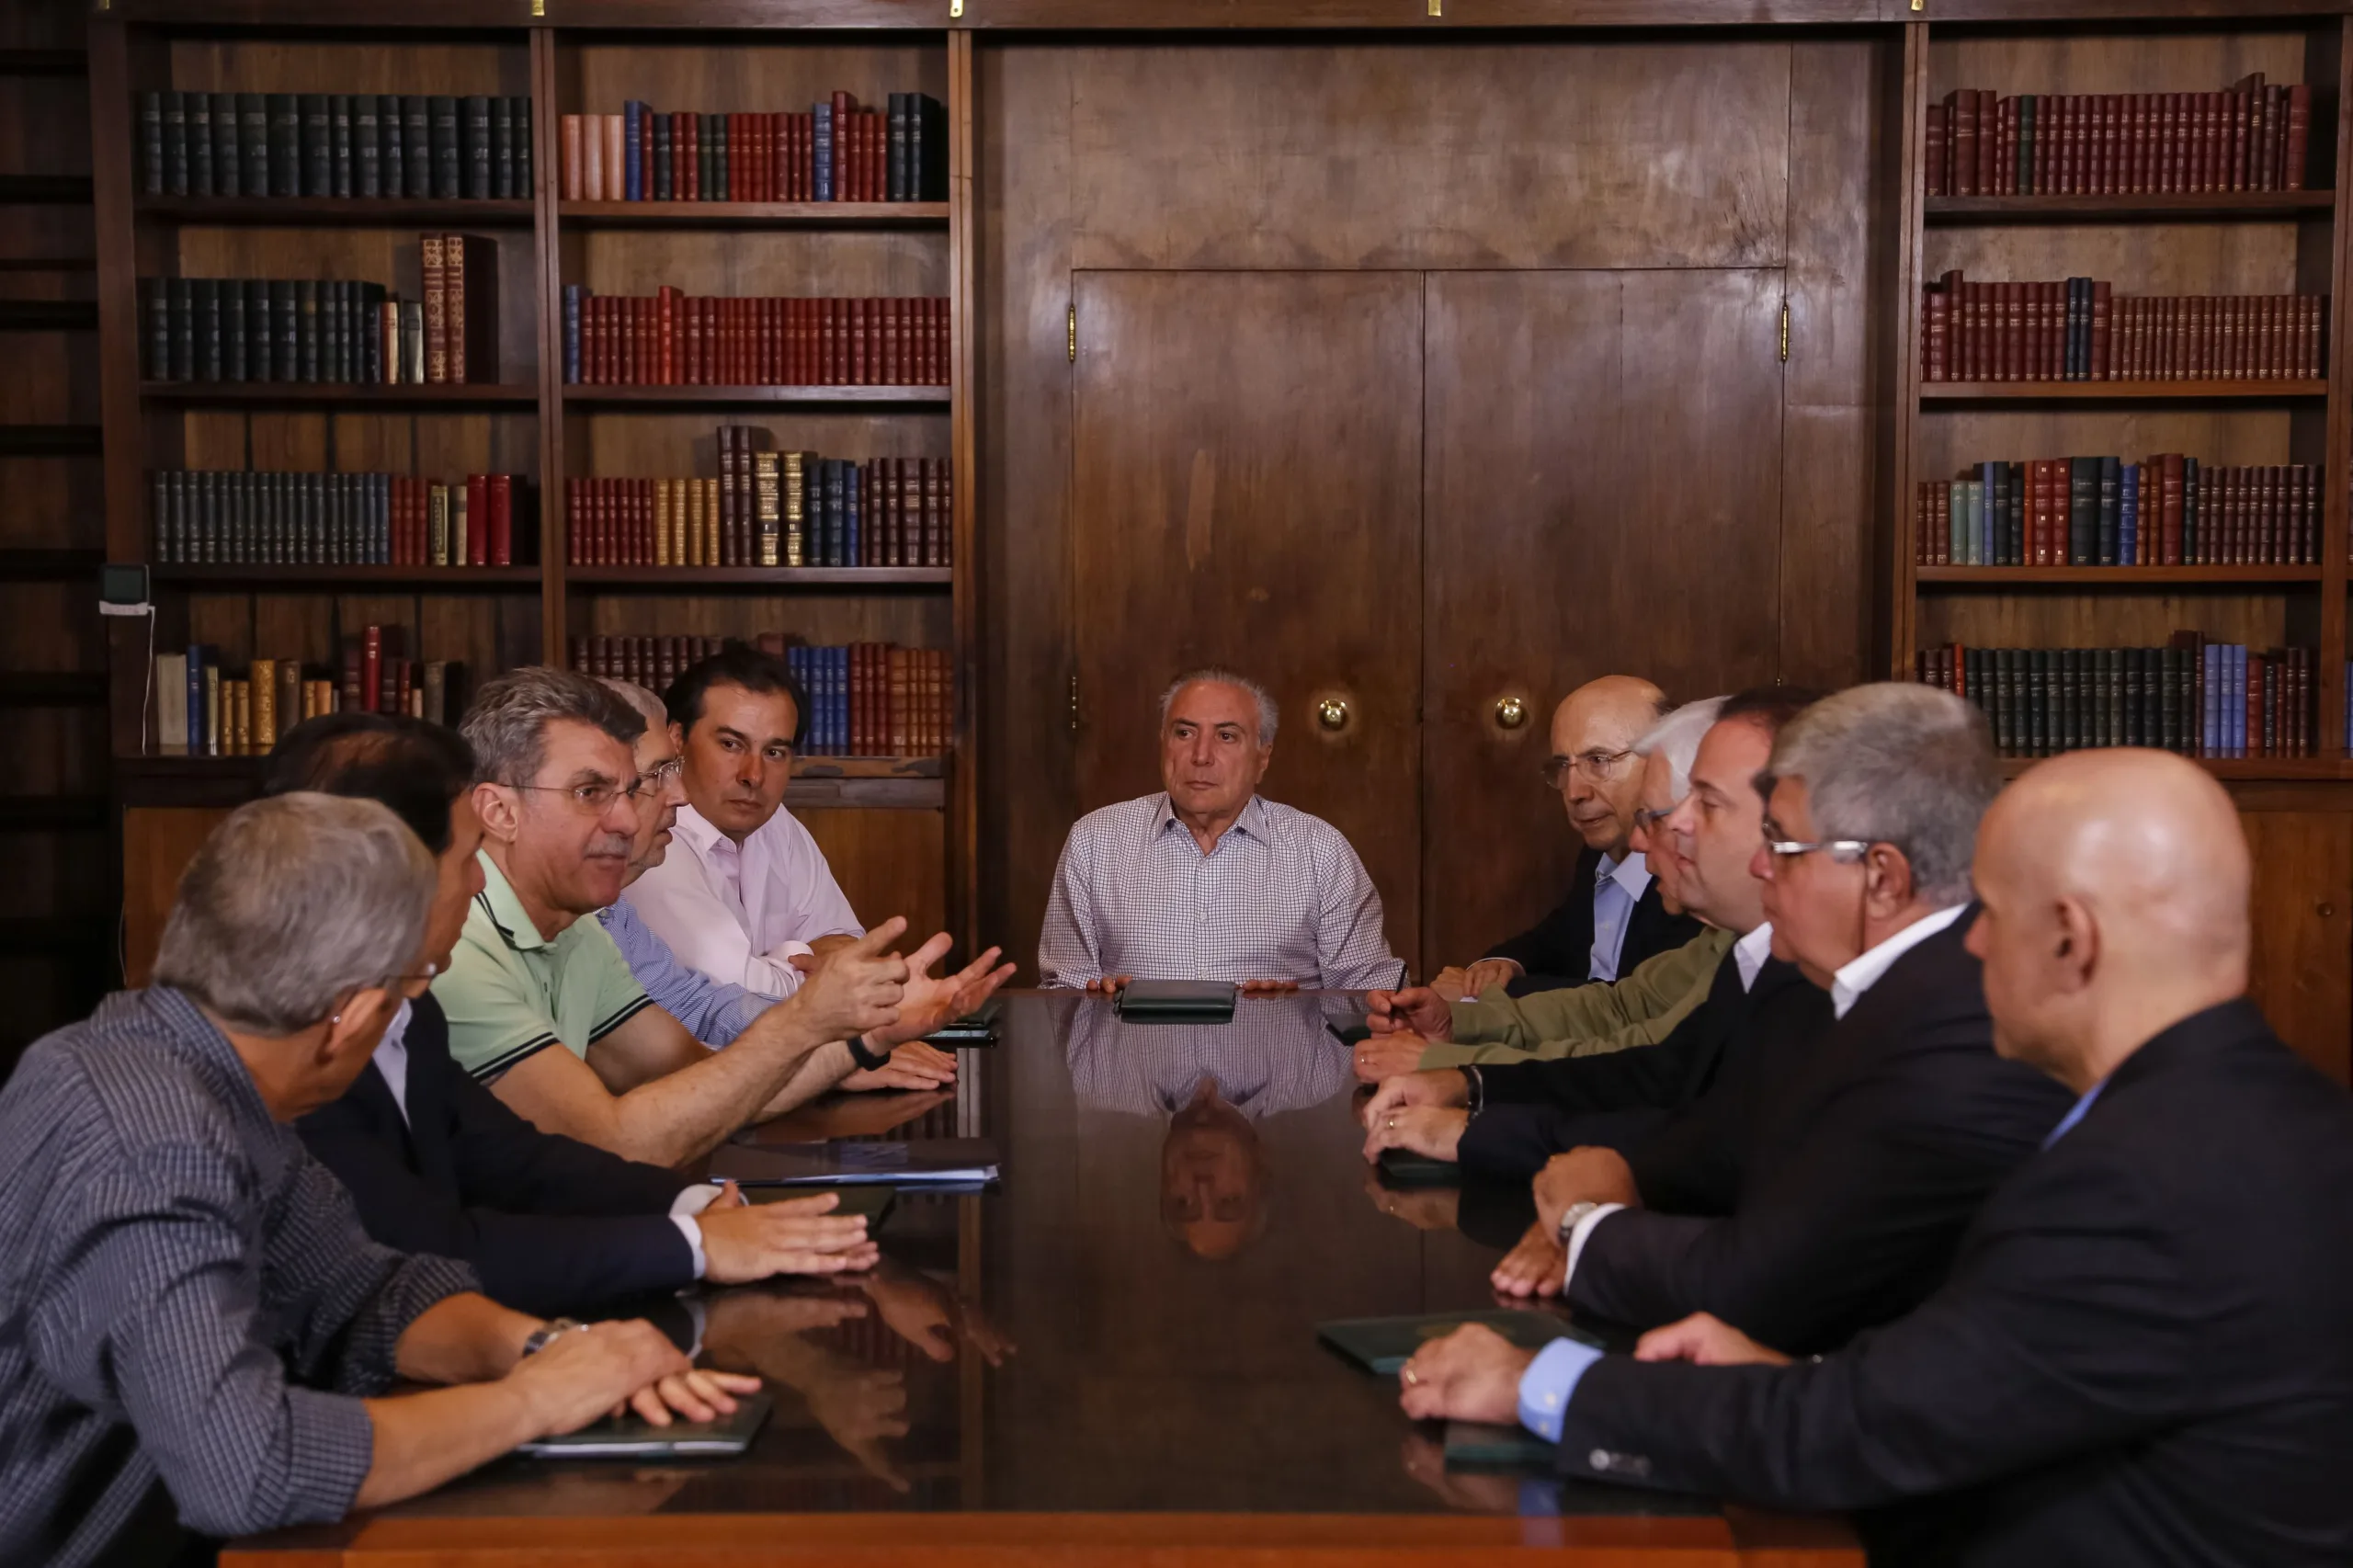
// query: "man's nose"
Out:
[674,790]
[620,816]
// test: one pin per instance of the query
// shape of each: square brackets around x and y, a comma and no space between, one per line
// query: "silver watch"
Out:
[548,1333]
[1570,1216]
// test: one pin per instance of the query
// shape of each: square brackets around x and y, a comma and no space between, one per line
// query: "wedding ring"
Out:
[1412,1377]
[1391,1124]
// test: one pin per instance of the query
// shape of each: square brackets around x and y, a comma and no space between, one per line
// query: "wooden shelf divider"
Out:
[2231,205]
[671,579]
[2001,577]
[332,211]
[332,578]
[721,397]
[429,394]
[2121,392]
[752,214]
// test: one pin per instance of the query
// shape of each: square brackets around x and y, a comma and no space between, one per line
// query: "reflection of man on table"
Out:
[1212,1081]
[1206,879]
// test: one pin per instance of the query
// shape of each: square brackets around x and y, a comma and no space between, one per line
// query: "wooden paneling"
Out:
[1246,492]
[1590,435]
[158,844]
[2303,968]
[1604,155]
[888,863]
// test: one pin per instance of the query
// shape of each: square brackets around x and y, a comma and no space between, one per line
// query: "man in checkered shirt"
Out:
[1208,881]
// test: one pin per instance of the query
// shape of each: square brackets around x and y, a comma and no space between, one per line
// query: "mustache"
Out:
[608,845]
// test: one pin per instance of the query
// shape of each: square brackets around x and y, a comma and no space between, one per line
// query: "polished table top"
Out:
[1125,1324]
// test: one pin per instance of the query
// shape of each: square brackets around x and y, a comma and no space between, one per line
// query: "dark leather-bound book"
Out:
[200,143]
[342,170]
[367,147]
[502,148]
[391,133]
[474,131]
[285,110]
[174,143]
[519,111]
[248,129]
[315,147]
[448,157]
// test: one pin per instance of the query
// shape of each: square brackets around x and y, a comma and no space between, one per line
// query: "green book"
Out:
[1381,1346]
[1403,1167]
[1482,1445]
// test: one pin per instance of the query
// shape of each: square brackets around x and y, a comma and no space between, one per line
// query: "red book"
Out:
[477,519]
[502,519]
[573,539]
[1939,154]
[371,666]
[1961,113]
[778,143]
[843,103]
[572,157]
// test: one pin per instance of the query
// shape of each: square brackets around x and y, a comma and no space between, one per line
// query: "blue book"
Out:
[632,158]
[1957,522]
[2238,700]
[821,148]
[836,700]
[2128,515]
[572,294]
[850,477]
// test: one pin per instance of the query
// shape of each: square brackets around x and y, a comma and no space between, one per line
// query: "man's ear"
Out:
[1888,879]
[363,1016]
[499,809]
[2075,947]
[677,737]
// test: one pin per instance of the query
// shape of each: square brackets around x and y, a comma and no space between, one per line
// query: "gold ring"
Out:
[1391,1124]
[1412,1377]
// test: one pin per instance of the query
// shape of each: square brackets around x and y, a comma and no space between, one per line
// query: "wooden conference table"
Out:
[1109,1358]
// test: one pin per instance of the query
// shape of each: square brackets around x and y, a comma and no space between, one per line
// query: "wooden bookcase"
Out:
[2250,243]
[898,831]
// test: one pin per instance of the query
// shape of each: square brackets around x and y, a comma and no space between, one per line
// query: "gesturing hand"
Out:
[798,1235]
[1705,1341]
[1416,1010]
[1472,1374]
[856,988]
[928,1001]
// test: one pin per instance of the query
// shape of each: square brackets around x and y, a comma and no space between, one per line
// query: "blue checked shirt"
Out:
[713,1011]
[1282,896]
[185,1296]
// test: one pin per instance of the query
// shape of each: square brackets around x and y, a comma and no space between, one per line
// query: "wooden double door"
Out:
[1415,495]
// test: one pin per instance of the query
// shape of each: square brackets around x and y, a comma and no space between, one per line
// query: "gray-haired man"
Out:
[1206,879]
[542,1006]
[195,1334]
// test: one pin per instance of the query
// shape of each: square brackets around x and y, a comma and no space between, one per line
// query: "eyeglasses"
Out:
[596,799]
[660,775]
[1592,763]
[1846,850]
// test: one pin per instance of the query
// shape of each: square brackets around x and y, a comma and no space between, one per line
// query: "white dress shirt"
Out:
[738,914]
[1750,953]
[1858,975]
[1618,886]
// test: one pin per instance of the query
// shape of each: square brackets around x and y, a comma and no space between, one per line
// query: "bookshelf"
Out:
[526,420]
[2210,242]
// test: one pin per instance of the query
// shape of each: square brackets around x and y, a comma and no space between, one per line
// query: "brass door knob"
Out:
[1511,712]
[1331,713]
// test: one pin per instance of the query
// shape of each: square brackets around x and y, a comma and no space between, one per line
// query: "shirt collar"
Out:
[1251,821]
[1632,873]
[1750,953]
[197,1039]
[1858,975]
[396,1032]
[694,830]
[497,900]
[2067,1122]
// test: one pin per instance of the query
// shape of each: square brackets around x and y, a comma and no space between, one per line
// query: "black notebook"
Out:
[634,1437]
[875,1202]
[1403,1167]
[1381,1346]
[1177,1001]
[978,1026]
[941,1161]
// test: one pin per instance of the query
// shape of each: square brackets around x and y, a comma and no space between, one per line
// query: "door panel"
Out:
[2303,910]
[1246,491]
[1602,496]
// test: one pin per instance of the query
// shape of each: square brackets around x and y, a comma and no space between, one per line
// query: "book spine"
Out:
[430,250]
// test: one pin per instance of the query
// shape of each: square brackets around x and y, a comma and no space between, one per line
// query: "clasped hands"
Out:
[1473,1373]
[1424,1113]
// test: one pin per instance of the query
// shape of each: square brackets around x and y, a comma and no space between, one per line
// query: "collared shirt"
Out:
[1750,953]
[1281,895]
[737,912]
[511,992]
[2075,1114]
[713,1011]
[1858,975]
[1618,886]
[392,1056]
[185,1295]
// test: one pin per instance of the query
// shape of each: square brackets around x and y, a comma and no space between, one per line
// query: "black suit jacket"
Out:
[1860,1167]
[2142,1355]
[1558,950]
[550,1223]
[1626,1099]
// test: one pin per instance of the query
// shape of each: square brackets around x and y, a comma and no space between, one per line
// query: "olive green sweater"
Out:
[1586,1020]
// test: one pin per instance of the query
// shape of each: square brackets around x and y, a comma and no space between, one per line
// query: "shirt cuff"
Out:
[1551,1379]
[684,1218]
[1578,1238]
[694,1199]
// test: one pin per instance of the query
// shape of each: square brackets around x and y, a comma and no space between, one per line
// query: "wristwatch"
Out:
[549,1333]
[867,1059]
[1570,1218]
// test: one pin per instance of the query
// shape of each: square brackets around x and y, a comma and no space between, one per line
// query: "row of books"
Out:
[242,517]
[2164,511]
[668,338]
[2199,699]
[203,711]
[2252,136]
[2077,331]
[836,152]
[887,701]
[803,510]
[332,329]
[368,145]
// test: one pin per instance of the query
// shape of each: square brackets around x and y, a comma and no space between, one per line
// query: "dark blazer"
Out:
[1621,1100]
[1861,1166]
[2142,1354]
[1558,950]
[551,1224]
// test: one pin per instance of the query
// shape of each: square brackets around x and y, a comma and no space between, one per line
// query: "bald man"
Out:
[2142,1352]
[1613,917]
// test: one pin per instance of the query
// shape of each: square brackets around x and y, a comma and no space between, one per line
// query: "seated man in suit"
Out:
[744,891]
[1503,1120]
[541,1003]
[714,1011]
[1207,880]
[436,1165]
[2139,1355]
[1830,1198]
[1614,916]
[1418,1029]
[195,1336]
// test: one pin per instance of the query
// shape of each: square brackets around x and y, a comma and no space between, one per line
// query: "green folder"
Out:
[632,1437]
[875,1202]
[1381,1346]
[1403,1167]
[1479,1445]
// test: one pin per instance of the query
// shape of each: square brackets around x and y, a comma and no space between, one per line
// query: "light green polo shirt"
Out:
[511,992]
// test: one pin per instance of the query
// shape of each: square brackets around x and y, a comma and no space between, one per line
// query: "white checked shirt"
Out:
[738,914]
[1282,896]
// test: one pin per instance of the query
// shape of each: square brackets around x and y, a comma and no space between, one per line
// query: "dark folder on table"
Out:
[874,1203]
[1481,1444]
[1382,1346]
[634,1437]
[1177,1001]
[938,1161]
[978,1026]
[1403,1167]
